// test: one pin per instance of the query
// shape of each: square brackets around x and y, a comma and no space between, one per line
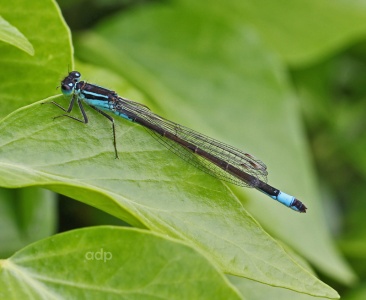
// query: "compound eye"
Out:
[67,87]
[75,75]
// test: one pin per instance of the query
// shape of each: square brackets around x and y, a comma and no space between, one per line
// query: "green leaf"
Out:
[111,263]
[215,75]
[10,34]
[148,186]
[23,78]
[300,31]
[257,291]
[254,290]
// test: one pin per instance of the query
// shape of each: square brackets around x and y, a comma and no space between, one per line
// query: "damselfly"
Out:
[217,159]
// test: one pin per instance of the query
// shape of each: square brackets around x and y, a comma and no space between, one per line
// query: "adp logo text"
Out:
[98,255]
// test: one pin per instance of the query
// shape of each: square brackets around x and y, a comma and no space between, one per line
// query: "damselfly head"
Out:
[69,82]
[67,86]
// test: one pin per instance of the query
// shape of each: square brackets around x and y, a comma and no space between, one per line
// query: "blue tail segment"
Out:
[290,201]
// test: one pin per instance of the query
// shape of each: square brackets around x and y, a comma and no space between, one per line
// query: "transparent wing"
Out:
[239,159]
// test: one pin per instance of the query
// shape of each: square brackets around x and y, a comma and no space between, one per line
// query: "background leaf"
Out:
[26,215]
[25,79]
[9,34]
[300,31]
